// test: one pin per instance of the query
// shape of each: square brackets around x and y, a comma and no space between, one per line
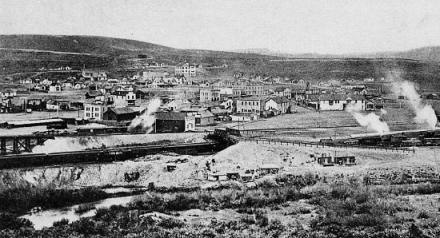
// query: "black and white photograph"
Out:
[220,118]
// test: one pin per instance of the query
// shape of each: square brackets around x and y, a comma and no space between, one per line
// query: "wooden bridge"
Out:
[15,144]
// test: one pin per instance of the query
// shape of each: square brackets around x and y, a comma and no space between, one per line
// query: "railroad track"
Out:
[103,155]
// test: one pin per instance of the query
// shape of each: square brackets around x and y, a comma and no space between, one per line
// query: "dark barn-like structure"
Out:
[120,114]
[170,122]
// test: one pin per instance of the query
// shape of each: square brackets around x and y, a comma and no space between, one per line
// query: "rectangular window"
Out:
[87,114]
[96,114]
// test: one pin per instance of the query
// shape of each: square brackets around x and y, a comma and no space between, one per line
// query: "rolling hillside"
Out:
[423,54]
[78,44]
[26,53]
[20,53]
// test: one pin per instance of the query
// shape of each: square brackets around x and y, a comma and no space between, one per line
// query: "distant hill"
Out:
[78,44]
[103,46]
[424,54]
[28,53]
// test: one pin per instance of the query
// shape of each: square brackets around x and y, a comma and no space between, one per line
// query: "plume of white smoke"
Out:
[145,121]
[371,121]
[425,114]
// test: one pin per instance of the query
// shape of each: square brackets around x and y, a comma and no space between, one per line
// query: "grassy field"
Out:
[311,125]
[304,119]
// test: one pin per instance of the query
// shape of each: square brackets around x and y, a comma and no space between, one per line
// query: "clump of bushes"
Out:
[61,222]
[170,223]
[423,215]
[83,208]
[226,198]
[10,221]
[21,199]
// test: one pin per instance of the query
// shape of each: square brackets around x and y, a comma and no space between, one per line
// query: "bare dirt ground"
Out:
[297,159]
[38,115]
[397,118]
[62,144]
[294,160]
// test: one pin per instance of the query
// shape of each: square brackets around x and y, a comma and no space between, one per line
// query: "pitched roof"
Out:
[355,97]
[331,97]
[280,99]
[280,89]
[170,116]
[205,113]
[335,97]
[253,98]
[94,93]
[122,110]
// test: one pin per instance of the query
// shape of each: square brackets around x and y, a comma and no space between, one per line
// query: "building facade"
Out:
[186,70]
[337,102]
[251,105]
[94,110]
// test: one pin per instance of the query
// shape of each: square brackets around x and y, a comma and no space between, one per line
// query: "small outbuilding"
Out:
[269,169]
[217,177]
[345,160]
[171,167]
[325,161]
[233,175]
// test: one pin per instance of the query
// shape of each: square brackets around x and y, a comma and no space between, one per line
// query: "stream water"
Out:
[46,218]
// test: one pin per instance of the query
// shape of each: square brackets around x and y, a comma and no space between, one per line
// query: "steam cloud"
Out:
[145,121]
[425,114]
[371,121]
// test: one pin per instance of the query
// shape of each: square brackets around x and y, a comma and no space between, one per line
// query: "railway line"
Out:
[104,154]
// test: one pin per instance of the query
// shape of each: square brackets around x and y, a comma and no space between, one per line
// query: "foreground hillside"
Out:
[387,194]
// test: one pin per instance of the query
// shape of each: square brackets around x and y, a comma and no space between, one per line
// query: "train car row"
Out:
[101,155]
[387,141]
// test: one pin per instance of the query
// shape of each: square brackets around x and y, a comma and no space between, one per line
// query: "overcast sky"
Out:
[327,26]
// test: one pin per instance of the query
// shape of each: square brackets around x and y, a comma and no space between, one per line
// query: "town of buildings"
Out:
[186,96]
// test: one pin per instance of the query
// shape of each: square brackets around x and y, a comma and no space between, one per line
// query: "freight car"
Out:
[101,130]
[431,141]
[57,125]
[392,140]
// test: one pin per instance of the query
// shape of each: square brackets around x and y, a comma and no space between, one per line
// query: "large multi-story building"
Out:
[210,95]
[188,70]
[94,75]
[251,90]
[94,110]
[255,90]
[283,92]
[124,95]
[250,105]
